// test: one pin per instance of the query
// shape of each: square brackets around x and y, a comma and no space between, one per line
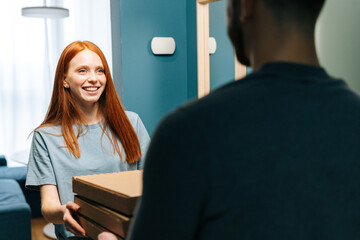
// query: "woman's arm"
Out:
[54,212]
[51,207]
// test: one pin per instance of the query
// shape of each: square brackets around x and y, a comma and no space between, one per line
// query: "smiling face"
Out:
[86,79]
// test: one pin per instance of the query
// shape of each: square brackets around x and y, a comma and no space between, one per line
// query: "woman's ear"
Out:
[66,85]
[247,9]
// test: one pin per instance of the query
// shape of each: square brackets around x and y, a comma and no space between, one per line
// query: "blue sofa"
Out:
[32,197]
[17,204]
[15,213]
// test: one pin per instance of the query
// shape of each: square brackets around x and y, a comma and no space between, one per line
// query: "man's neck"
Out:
[268,40]
[289,47]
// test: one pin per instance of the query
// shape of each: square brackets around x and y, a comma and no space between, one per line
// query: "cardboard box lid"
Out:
[127,184]
[118,191]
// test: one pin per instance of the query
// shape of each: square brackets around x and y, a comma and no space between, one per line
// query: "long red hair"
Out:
[63,109]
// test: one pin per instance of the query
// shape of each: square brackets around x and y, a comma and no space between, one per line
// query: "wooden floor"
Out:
[37,225]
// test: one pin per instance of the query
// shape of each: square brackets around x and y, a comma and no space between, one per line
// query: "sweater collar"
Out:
[292,69]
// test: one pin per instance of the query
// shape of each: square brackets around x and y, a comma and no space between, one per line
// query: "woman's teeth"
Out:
[90,88]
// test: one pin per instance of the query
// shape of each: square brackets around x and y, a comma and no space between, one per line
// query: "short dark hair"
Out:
[303,12]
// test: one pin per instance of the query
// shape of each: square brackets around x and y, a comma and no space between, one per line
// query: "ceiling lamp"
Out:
[45,12]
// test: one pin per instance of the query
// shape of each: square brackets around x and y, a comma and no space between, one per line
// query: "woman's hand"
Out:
[70,223]
[56,213]
[107,236]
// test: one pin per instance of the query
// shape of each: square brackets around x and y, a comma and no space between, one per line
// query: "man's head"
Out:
[287,14]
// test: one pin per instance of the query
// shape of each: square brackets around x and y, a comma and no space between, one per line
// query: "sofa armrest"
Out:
[32,196]
[15,221]
[14,208]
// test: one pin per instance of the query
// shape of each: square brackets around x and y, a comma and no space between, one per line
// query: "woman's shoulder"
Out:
[49,129]
[132,116]
[46,134]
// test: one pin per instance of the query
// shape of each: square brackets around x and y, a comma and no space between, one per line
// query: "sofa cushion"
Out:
[32,197]
[17,173]
[15,213]
[10,192]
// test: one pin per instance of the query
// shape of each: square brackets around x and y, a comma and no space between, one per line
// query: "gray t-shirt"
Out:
[51,163]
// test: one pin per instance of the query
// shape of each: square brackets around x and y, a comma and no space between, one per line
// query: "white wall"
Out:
[338,40]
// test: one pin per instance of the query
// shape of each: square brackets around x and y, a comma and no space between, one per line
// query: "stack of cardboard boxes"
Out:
[107,201]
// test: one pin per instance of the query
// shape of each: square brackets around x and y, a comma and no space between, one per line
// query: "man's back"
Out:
[273,156]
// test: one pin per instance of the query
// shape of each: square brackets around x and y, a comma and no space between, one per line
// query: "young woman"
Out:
[86,131]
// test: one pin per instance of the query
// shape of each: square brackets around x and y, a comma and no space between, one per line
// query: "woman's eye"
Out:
[101,70]
[81,70]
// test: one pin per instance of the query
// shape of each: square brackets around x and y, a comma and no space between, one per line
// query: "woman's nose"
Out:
[93,76]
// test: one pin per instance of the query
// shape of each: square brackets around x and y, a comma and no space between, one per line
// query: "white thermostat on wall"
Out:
[212,45]
[163,45]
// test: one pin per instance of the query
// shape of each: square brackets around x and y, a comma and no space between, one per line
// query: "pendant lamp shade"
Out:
[45,12]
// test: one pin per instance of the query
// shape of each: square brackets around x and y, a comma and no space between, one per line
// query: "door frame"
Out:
[203,56]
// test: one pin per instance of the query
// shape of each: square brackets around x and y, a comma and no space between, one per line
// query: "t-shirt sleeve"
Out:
[40,170]
[144,140]
[173,189]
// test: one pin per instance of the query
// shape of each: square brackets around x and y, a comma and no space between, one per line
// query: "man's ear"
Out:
[247,9]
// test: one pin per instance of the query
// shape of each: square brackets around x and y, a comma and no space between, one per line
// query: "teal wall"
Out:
[191,49]
[222,66]
[152,85]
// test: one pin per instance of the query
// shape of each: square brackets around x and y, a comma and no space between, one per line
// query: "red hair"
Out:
[63,109]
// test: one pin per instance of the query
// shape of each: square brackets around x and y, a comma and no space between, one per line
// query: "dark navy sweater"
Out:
[275,155]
